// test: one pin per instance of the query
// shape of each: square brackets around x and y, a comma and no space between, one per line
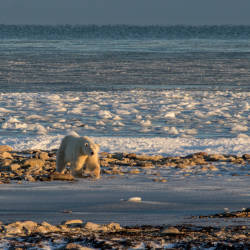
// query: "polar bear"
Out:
[81,153]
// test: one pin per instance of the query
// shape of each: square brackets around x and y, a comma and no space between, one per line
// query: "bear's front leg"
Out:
[78,165]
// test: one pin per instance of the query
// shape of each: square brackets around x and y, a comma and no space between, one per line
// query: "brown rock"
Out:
[46,228]
[246,157]
[131,156]
[200,161]
[149,157]
[134,171]
[216,157]
[213,168]
[14,228]
[74,246]
[92,226]
[30,178]
[144,164]
[112,227]
[5,155]
[6,163]
[61,177]
[171,230]
[42,155]
[34,163]
[118,156]
[181,165]
[14,167]
[5,148]
[73,223]
[29,226]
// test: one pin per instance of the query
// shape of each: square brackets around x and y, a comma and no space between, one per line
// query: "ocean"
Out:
[171,90]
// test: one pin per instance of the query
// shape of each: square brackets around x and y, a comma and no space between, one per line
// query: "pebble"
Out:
[135,199]
[170,230]
[73,223]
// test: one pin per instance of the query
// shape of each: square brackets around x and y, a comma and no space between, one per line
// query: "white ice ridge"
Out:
[142,145]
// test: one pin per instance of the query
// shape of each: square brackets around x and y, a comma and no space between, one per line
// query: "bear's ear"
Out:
[86,138]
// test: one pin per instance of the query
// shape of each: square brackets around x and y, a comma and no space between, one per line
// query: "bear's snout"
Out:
[92,153]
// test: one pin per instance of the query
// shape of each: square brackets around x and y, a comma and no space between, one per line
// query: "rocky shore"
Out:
[75,234]
[38,165]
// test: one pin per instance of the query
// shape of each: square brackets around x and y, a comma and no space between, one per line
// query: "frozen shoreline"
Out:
[140,145]
[104,201]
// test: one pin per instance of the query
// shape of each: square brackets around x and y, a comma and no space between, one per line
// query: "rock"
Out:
[113,227]
[239,160]
[134,171]
[118,156]
[135,199]
[144,164]
[14,228]
[159,180]
[213,168]
[45,227]
[92,226]
[6,163]
[34,163]
[149,157]
[200,161]
[171,230]
[246,157]
[5,148]
[29,226]
[73,223]
[181,165]
[5,155]
[30,178]
[74,246]
[239,236]
[216,157]
[42,155]
[14,167]
[131,156]
[61,177]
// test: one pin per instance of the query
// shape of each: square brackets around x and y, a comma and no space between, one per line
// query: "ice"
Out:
[105,114]
[208,120]
[4,110]
[100,123]
[146,123]
[170,115]
[117,123]
[239,128]
[141,145]
[173,131]
[117,118]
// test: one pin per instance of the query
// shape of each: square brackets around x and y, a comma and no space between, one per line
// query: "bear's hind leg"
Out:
[60,162]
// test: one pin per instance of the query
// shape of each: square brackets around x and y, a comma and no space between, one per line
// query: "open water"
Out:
[152,89]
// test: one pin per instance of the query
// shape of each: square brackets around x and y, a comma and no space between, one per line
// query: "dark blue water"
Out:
[92,58]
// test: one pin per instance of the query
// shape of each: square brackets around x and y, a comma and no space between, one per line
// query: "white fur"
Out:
[81,153]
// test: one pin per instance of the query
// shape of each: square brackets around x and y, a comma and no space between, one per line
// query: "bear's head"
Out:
[88,147]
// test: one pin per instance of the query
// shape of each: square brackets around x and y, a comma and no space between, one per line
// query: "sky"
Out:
[137,12]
